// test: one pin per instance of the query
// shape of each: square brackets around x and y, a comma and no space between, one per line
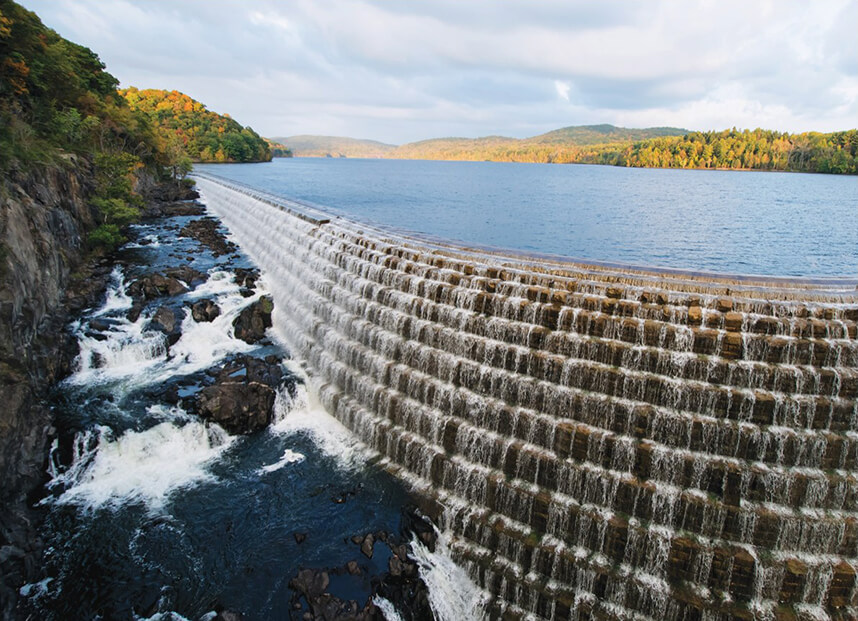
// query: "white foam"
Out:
[133,357]
[387,608]
[219,284]
[153,240]
[140,466]
[169,616]
[289,457]
[168,413]
[35,589]
[304,413]
[117,297]
[452,594]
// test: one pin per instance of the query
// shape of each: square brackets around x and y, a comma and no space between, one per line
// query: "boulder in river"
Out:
[164,320]
[186,274]
[238,407]
[241,400]
[155,286]
[205,310]
[251,323]
[205,231]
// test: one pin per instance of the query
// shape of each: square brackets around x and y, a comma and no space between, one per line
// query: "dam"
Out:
[602,442]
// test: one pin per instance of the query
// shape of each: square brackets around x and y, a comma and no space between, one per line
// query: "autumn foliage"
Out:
[204,135]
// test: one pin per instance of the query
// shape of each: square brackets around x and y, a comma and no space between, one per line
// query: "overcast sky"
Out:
[404,71]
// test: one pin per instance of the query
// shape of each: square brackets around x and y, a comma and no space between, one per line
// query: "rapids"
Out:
[153,513]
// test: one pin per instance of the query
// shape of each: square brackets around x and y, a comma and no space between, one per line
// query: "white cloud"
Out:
[406,71]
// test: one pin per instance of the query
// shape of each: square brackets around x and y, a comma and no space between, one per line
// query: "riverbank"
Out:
[46,276]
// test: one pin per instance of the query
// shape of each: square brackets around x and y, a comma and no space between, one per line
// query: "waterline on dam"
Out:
[598,441]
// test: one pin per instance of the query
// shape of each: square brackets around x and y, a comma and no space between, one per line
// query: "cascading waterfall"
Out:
[603,442]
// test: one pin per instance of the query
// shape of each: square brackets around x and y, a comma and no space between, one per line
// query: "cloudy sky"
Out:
[403,71]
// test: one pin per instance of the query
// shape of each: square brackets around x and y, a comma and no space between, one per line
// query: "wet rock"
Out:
[241,395]
[300,537]
[204,311]
[155,286]
[100,324]
[186,274]
[247,368]
[413,521]
[164,320]
[251,323]
[311,585]
[353,568]
[394,566]
[240,408]
[206,232]
[246,277]
[311,582]
[134,312]
[366,546]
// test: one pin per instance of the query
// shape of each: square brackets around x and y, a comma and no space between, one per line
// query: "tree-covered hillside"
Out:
[57,101]
[657,147]
[204,135]
[56,98]
[582,135]
[566,145]
[750,150]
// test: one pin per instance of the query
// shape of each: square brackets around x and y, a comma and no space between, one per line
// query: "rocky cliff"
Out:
[44,217]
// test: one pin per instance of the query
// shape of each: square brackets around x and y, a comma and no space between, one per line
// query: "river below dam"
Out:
[154,513]
[736,222]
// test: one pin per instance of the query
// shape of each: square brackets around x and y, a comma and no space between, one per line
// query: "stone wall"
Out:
[602,442]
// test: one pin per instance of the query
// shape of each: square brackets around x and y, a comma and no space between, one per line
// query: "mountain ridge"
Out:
[312,145]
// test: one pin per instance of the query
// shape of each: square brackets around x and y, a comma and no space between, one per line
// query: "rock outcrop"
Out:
[44,217]
[251,323]
[205,311]
[238,407]
[242,398]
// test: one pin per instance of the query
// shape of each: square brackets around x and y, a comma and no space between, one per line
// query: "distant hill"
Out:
[334,146]
[568,144]
[602,134]
[204,135]
[653,147]
[278,149]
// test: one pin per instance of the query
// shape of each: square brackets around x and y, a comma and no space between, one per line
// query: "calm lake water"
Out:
[783,224]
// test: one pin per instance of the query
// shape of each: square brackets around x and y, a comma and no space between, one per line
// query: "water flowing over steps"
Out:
[605,443]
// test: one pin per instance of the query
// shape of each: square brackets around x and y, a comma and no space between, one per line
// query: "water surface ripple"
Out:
[778,224]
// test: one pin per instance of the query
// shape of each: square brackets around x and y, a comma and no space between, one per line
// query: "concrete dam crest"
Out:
[602,442]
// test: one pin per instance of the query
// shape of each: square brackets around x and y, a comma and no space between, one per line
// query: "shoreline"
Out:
[70,280]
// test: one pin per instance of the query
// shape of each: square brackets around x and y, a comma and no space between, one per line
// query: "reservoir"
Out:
[763,223]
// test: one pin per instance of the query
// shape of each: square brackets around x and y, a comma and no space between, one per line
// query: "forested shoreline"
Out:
[732,149]
[835,153]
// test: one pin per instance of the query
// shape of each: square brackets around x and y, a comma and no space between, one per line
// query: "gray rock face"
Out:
[44,217]
[252,322]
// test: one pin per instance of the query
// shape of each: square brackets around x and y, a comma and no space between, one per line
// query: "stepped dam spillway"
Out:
[602,443]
